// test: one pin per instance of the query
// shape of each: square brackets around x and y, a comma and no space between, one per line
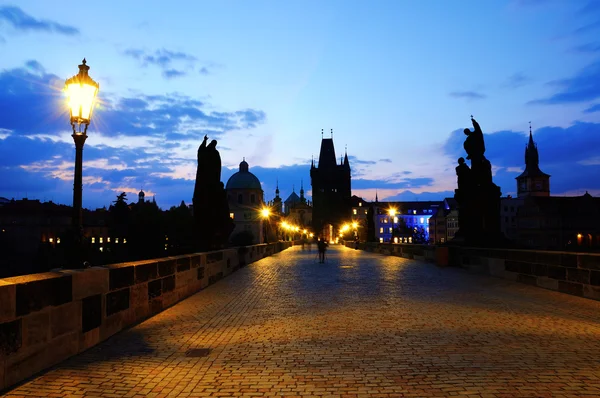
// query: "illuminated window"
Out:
[354,211]
[385,220]
[50,240]
[380,240]
[395,219]
[231,215]
[422,220]
[93,239]
[101,239]
[116,240]
[381,230]
[101,249]
[414,212]
[396,240]
[57,240]
[359,204]
[366,211]
[108,239]
[390,230]
[410,239]
[124,240]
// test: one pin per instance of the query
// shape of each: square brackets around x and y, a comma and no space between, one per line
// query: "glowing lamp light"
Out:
[355,225]
[265,212]
[81,92]
[392,212]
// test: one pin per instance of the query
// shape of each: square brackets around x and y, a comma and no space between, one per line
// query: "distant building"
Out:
[444,224]
[411,218]
[245,198]
[298,210]
[559,223]
[331,191]
[533,181]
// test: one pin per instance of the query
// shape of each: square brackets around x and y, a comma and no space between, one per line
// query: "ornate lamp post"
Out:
[81,91]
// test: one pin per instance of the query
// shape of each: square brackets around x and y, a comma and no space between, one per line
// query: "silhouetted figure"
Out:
[474,144]
[322,246]
[211,210]
[477,196]
[463,173]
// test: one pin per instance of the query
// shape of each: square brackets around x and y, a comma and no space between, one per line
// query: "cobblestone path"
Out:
[361,325]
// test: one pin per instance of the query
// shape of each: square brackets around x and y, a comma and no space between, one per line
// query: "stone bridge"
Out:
[360,325]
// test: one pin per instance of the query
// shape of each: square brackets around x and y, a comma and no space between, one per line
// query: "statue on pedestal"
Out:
[477,196]
[211,210]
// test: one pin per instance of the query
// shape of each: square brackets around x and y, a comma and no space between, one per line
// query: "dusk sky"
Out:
[395,80]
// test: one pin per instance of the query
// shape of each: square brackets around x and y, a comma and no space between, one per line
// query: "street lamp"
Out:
[265,213]
[81,92]
[392,213]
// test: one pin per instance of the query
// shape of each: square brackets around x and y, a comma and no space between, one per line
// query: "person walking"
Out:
[322,246]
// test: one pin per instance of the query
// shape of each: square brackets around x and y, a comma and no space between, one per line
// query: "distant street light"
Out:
[81,91]
[265,213]
[392,213]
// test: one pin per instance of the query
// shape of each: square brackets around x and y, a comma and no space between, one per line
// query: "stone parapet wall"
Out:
[405,250]
[572,273]
[567,272]
[46,318]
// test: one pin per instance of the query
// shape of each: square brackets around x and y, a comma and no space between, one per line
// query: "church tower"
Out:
[331,188]
[533,181]
[277,203]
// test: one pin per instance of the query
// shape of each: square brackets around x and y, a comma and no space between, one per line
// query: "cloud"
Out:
[584,86]
[141,140]
[409,196]
[587,48]
[166,59]
[31,91]
[171,73]
[385,160]
[22,21]
[593,108]
[469,95]
[162,57]
[565,153]
[404,183]
[517,80]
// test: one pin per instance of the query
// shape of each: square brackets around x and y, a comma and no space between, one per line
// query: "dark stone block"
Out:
[10,337]
[547,258]
[117,301]
[214,257]
[559,273]
[498,254]
[578,275]
[196,261]
[91,312]
[595,278]
[214,278]
[168,284]
[154,289]
[228,262]
[35,295]
[540,270]
[526,268]
[512,266]
[568,260]
[528,279]
[570,288]
[588,262]
[156,306]
[200,273]
[145,272]
[166,268]
[183,264]
[119,278]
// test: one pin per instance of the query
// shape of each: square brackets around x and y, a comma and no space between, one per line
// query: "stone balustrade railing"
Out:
[567,272]
[46,318]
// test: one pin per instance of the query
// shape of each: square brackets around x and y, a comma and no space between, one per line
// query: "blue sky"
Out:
[395,80]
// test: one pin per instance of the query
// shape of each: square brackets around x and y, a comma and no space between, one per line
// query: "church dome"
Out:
[243,179]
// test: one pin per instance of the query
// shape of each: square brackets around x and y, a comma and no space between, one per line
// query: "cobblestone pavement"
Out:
[361,325]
